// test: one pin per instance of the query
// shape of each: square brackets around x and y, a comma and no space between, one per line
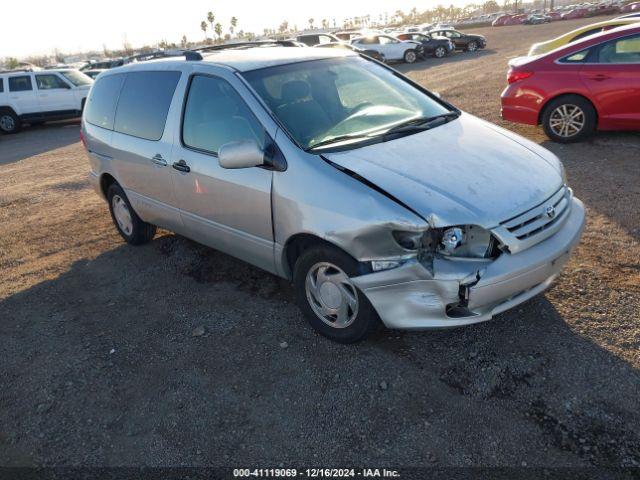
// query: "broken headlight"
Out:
[466,241]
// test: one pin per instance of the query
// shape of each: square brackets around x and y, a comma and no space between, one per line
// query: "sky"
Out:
[36,27]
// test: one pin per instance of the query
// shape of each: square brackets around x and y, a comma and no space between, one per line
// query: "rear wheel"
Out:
[129,225]
[439,52]
[568,119]
[329,299]
[472,47]
[410,56]
[9,122]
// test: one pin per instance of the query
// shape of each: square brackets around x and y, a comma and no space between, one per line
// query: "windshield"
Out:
[346,98]
[77,78]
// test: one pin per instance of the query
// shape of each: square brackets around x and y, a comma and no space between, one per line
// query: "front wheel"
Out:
[9,122]
[410,56]
[439,52]
[472,47]
[329,299]
[569,119]
[129,225]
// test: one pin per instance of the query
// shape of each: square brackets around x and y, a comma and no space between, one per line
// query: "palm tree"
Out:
[234,23]
[203,27]
[218,29]
[211,18]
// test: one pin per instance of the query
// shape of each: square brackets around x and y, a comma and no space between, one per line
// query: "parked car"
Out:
[40,96]
[461,41]
[347,46]
[349,35]
[93,73]
[514,20]
[500,21]
[592,84]
[377,199]
[577,34]
[313,39]
[438,47]
[554,16]
[536,20]
[575,13]
[630,7]
[390,47]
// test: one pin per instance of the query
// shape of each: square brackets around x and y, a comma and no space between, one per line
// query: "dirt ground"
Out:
[99,367]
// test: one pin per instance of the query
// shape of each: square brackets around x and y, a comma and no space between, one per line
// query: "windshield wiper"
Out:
[339,138]
[419,124]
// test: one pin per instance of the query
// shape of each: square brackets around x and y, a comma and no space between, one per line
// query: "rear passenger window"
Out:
[215,114]
[101,106]
[144,103]
[20,84]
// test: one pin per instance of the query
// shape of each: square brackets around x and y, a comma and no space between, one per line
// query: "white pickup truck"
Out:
[40,96]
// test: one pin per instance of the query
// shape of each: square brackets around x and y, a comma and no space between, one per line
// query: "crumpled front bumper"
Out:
[410,297]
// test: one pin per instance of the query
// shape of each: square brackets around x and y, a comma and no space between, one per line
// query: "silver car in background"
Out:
[379,200]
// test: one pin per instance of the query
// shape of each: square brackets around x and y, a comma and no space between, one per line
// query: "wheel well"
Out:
[106,181]
[300,242]
[8,109]
[544,107]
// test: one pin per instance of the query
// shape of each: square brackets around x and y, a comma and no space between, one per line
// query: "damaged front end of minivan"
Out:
[456,275]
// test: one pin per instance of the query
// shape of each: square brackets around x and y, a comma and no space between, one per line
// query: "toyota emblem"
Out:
[550,211]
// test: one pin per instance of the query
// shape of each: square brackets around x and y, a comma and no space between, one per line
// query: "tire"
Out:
[9,122]
[134,231]
[472,47]
[561,119]
[315,296]
[439,52]
[410,56]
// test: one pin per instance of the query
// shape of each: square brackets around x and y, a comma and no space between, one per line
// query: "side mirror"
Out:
[240,154]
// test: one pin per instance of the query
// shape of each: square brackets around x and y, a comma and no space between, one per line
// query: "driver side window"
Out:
[387,40]
[215,114]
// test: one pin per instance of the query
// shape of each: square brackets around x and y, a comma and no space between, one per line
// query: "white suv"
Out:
[40,96]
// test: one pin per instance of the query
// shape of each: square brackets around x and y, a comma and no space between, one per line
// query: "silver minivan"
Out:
[379,200]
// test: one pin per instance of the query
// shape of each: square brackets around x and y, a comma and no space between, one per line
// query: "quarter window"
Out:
[20,84]
[100,109]
[50,82]
[215,114]
[578,57]
[144,104]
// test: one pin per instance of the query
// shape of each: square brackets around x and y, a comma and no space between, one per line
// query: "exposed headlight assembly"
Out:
[466,241]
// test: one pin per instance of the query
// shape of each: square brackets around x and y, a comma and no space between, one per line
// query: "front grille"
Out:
[536,224]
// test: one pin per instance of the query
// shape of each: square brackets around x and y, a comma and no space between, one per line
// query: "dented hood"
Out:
[467,171]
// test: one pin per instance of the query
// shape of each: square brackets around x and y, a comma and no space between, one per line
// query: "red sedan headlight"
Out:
[515,76]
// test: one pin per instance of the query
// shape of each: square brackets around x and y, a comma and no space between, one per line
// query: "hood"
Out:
[467,171]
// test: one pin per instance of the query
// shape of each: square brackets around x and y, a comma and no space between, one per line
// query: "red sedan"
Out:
[590,84]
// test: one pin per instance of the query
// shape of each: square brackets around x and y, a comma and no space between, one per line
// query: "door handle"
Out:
[158,160]
[182,166]
[600,78]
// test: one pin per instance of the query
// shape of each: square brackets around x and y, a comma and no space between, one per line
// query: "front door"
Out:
[54,94]
[612,75]
[229,210]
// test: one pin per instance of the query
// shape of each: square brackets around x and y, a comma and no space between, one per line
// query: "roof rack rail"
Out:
[18,70]
[243,45]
